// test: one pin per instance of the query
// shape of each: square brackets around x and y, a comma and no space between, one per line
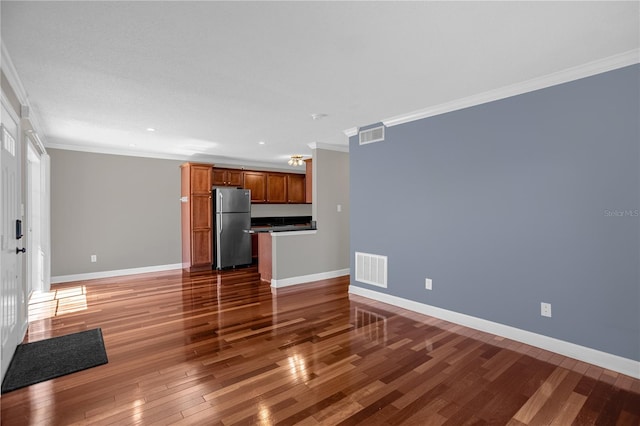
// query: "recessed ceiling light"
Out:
[318,116]
[150,129]
[261,143]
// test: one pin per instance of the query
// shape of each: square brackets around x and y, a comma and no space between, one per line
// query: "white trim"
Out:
[291,233]
[115,273]
[351,132]
[12,76]
[570,74]
[285,282]
[116,151]
[572,350]
[45,163]
[7,104]
[16,85]
[36,141]
[198,158]
[328,146]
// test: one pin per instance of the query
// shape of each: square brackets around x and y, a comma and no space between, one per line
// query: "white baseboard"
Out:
[284,282]
[571,350]
[115,273]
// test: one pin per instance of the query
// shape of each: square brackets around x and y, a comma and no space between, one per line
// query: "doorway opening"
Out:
[37,215]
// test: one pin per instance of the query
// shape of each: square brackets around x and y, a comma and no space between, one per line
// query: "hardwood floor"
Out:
[220,348]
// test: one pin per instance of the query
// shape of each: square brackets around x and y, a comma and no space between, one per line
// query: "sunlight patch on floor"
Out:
[49,304]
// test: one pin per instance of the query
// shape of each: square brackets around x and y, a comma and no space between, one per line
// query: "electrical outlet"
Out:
[339,208]
[428,284]
[94,258]
[545,309]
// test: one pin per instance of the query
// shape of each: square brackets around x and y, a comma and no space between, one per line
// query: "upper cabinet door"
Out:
[276,188]
[257,183]
[200,179]
[227,177]
[218,177]
[234,178]
[296,189]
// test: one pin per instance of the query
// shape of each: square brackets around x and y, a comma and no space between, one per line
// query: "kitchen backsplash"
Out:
[271,210]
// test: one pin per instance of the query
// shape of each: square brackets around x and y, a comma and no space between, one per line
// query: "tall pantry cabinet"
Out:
[196,217]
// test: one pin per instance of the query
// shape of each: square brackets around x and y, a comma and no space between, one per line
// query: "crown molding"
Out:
[13,78]
[218,161]
[329,147]
[36,141]
[115,151]
[351,132]
[570,74]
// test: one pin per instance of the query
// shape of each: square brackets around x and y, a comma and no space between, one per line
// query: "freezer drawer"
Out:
[233,242]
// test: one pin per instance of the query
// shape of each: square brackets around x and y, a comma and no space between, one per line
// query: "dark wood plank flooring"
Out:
[220,348]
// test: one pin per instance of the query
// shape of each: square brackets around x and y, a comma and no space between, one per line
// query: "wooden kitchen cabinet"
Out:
[296,189]
[195,193]
[276,188]
[257,183]
[254,248]
[227,177]
[265,257]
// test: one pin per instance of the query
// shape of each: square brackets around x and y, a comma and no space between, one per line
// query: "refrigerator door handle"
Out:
[220,215]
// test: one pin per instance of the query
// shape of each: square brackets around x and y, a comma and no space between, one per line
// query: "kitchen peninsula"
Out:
[264,230]
[266,250]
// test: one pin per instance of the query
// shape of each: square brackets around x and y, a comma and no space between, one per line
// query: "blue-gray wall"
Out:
[508,204]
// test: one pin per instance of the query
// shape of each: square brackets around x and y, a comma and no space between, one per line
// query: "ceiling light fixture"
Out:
[261,143]
[318,116]
[150,129]
[296,160]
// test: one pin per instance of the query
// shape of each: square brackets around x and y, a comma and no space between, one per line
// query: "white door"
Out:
[10,263]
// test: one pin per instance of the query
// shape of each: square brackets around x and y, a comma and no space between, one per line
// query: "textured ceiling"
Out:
[215,78]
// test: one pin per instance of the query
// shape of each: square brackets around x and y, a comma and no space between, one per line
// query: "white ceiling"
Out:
[215,78]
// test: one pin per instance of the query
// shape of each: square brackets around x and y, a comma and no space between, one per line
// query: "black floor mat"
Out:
[44,360]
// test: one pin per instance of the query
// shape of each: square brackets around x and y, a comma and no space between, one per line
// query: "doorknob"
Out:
[22,250]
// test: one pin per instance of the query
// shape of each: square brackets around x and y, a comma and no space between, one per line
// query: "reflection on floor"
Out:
[224,348]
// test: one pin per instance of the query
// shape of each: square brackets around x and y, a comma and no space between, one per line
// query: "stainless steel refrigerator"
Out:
[231,224]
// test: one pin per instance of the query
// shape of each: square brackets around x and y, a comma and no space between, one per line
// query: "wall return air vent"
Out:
[375,134]
[371,269]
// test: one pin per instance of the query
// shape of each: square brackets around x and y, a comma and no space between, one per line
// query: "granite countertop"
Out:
[281,228]
[282,224]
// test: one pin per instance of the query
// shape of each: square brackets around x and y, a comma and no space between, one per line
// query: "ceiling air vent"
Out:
[371,135]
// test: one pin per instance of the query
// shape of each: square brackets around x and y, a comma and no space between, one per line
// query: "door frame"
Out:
[38,268]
